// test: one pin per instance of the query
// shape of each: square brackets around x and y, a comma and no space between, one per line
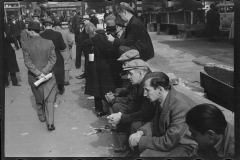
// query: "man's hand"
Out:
[110,38]
[109,97]
[41,76]
[135,138]
[114,118]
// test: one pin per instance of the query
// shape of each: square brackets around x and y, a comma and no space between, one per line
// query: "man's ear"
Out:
[211,134]
[159,88]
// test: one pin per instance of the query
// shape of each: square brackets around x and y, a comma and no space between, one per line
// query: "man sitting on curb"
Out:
[168,134]
[122,99]
[143,109]
[209,128]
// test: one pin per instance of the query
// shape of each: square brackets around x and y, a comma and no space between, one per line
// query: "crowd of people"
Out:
[158,120]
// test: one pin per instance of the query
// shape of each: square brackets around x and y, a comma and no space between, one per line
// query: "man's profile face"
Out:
[123,16]
[134,76]
[118,28]
[204,141]
[86,22]
[151,93]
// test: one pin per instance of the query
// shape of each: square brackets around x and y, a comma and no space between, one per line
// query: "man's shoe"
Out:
[42,118]
[61,92]
[17,84]
[100,114]
[66,83]
[120,149]
[51,127]
[81,76]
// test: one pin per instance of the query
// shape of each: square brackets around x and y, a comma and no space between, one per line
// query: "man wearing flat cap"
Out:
[120,26]
[110,16]
[102,73]
[93,19]
[142,110]
[136,35]
[39,58]
[59,44]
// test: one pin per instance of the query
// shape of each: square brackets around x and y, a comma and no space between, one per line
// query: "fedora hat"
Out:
[33,25]
[47,20]
[86,17]
[119,22]
[111,26]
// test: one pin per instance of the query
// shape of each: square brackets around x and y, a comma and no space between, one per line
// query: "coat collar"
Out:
[165,106]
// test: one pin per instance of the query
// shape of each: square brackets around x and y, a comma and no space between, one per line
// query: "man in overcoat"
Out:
[16,29]
[90,29]
[136,35]
[93,19]
[167,135]
[10,62]
[66,52]
[24,34]
[102,73]
[39,58]
[59,44]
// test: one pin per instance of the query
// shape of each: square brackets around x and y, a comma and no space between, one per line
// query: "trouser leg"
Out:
[13,78]
[40,109]
[49,110]
[16,43]
[60,87]
[6,73]
[98,104]
[66,76]
[78,56]
[19,40]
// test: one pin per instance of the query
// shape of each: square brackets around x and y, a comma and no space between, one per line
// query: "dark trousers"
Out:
[17,39]
[13,78]
[60,87]
[78,55]
[98,104]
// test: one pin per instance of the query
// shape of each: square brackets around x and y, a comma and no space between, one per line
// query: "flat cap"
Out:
[126,6]
[129,55]
[135,64]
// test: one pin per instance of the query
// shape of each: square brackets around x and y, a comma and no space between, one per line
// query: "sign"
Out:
[61,9]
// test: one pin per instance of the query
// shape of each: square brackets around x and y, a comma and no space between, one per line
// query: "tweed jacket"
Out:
[168,130]
[137,37]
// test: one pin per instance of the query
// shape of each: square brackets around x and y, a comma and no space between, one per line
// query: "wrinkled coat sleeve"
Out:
[28,62]
[145,113]
[51,61]
[131,38]
[177,128]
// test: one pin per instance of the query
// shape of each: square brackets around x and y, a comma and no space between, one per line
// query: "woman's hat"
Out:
[86,17]
[33,25]
[111,26]
[119,22]
[47,20]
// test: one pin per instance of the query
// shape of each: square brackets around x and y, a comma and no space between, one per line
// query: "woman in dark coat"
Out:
[59,44]
[102,74]
[9,56]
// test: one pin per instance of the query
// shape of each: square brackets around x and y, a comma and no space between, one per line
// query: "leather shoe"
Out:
[17,84]
[51,127]
[61,92]
[120,149]
[100,114]
[42,118]
[81,76]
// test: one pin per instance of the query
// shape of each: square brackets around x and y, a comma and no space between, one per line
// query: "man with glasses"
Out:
[136,35]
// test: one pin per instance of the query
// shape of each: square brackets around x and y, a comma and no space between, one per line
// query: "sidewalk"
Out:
[26,136]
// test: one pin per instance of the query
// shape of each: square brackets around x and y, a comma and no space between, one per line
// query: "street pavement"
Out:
[26,136]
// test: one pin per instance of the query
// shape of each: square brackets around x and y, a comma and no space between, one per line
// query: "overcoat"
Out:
[59,44]
[137,37]
[9,56]
[168,129]
[213,22]
[102,74]
[66,52]
[16,28]
[39,59]
[24,36]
